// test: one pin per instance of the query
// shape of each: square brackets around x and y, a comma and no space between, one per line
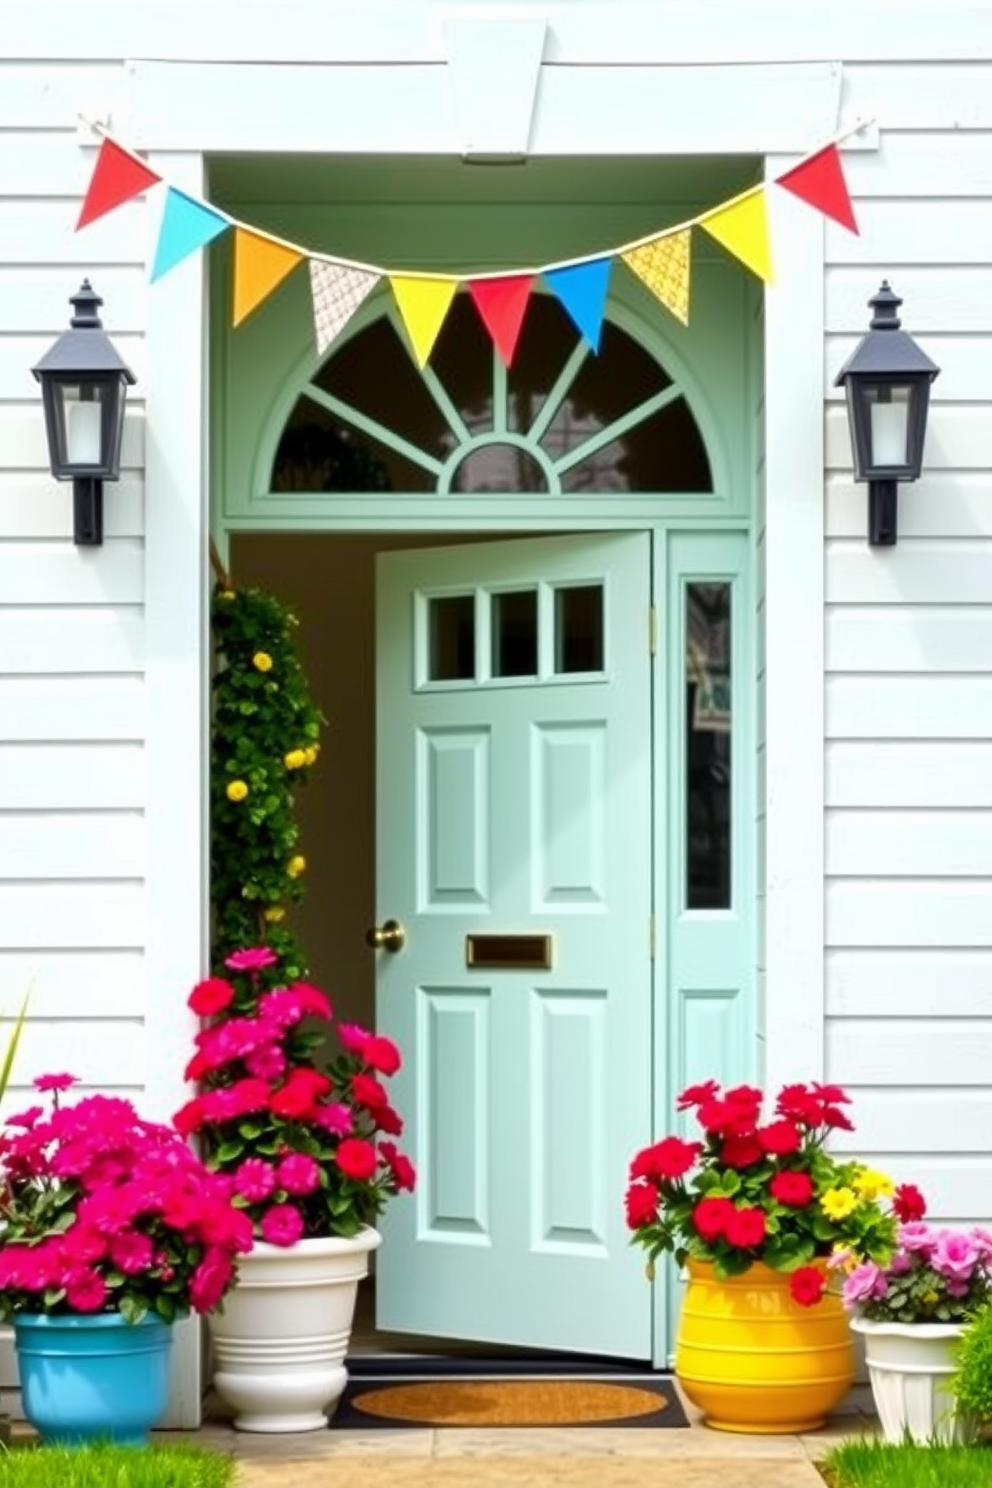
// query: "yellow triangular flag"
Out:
[259,265]
[423,304]
[664,266]
[742,228]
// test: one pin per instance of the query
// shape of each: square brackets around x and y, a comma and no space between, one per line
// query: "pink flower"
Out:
[916,1235]
[284,1007]
[26,1118]
[314,1002]
[954,1255]
[864,1283]
[210,1280]
[298,1174]
[55,1082]
[210,997]
[334,1117]
[352,1037]
[86,1292]
[131,1252]
[80,1244]
[254,1180]
[253,959]
[267,1063]
[282,1225]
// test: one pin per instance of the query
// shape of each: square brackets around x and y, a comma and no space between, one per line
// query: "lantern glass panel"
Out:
[889,411]
[86,422]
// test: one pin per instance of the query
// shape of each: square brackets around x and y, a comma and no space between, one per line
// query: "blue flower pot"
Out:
[89,1377]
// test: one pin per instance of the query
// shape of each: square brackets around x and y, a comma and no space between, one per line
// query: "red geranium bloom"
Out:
[368,1092]
[836,1120]
[696,1095]
[642,1205]
[671,1158]
[382,1055]
[746,1227]
[357,1159]
[780,1137]
[253,959]
[807,1285]
[741,1152]
[400,1166]
[210,997]
[55,1082]
[387,1120]
[710,1218]
[794,1189]
[908,1203]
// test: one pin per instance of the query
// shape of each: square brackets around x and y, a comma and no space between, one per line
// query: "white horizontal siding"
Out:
[46,233]
[33,505]
[35,301]
[18,354]
[77,845]
[64,916]
[944,504]
[22,432]
[910,844]
[34,96]
[39,777]
[905,1119]
[913,912]
[914,705]
[921,571]
[899,773]
[39,641]
[57,574]
[66,709]
[903,1053]
[937,303]
[105,1055]
[910,983]
[73,984]
[909,638]
[959,436]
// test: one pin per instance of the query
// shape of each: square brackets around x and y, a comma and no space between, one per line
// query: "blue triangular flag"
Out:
[582,291]
[187,224]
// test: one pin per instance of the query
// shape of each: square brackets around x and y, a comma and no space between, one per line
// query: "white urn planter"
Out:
[280,1343]
[910,1367]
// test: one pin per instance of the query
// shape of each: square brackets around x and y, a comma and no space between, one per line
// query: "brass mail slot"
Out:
[509,952]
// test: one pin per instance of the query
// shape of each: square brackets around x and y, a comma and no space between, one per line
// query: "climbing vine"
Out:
[264,741]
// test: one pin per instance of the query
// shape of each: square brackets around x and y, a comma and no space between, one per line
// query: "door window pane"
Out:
[709,723]
[579,629]
[514,625]
[451,631]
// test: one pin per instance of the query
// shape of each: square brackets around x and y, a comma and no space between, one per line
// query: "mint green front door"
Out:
[514,839]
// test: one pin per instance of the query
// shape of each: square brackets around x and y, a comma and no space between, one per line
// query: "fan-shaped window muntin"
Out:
[562,419]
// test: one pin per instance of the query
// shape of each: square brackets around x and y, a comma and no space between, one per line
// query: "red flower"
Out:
[368,1092]
[716,1116]
[357,1159]
[746,1227]
[642,1205]
[210,997]
[780,1137]
[696,1095]
[741,1152]
[400,1166]
[794,1189]
[189,1118]
[55,1082]
[908,1203]
[388,1120]
[669,1159]
[710,1218]
[807,1285]
[831,1095]
[211,1279]
[837,1120]
[282,1225]
[382,1055]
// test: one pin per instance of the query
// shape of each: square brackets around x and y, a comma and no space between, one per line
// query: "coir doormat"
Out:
[488,1401]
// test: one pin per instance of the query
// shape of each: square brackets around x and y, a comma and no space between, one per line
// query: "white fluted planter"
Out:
[279,1344]
[910,1367]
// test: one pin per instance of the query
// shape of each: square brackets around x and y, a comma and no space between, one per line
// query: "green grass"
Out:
[108,1466]
[866,1463]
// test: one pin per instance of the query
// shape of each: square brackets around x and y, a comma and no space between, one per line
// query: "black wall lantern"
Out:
[887,380]
[84,384]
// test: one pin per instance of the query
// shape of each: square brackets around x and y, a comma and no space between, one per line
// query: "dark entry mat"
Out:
[488,1401]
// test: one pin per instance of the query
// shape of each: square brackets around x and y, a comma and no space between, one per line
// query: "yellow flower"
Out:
[296,866]
[838,1203]
[872,1185]
[274,912]
[226,594]
[295,759]
[237,790]
[311,753]
[262,661]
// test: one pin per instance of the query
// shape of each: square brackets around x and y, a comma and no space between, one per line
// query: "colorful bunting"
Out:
[117,177]
[502,303]
[187,224]
[260,264]
[337,291]
[742,228]
[423,304]
[819,181]
[582,290]
[664,267]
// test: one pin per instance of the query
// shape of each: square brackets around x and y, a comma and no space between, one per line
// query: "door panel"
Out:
[514,801]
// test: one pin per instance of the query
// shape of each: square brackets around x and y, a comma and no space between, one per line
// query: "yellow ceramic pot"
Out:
[754,1360]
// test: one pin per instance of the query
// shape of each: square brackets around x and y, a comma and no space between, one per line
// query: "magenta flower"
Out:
[283,1007]
[353,1038]
[86,1292]
[131,1252]
[864,1283]
[267,1063]
[282,1225]
[298,1174]
[334,1117]
[55,1082]
[916,1235]
[954,1255]
[211,1280]
[254,1180]
[254,959]
[26,1118]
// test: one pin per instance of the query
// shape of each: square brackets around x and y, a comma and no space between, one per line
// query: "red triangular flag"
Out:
[117,176]
[502,303]
[820,182]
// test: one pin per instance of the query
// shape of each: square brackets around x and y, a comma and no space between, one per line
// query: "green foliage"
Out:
[104,1465]
[865,1462]
[265,739]
[972,1382]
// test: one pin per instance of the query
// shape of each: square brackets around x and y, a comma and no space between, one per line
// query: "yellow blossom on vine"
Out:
[262,661]
[237,790]
[838,1203]
[311,753]
[872,1185]
[295,759]
[226,594]
[274,912]
[296,866]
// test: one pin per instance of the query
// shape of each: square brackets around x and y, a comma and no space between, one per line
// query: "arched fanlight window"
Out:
[560,420]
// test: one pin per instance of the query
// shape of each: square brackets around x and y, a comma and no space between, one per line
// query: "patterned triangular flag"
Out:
[820,182]
[423,304]
[117,176]
[502,303]
[742,228]
[664,267]
[582,291]
[259,266]
[187,224]
[337,291]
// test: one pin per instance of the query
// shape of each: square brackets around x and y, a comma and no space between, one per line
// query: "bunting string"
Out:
[661,260]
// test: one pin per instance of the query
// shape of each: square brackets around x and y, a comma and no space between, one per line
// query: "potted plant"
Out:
[112,1228]
[753,1209]
[913,1312]
[308,1155]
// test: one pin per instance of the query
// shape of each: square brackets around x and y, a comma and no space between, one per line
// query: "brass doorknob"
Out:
[390,936]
